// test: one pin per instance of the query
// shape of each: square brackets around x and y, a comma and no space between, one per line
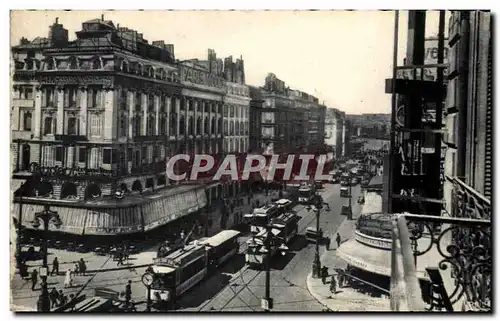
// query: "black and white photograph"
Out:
[173,161]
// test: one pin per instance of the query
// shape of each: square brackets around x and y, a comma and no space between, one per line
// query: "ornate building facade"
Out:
[289,120]
[101,115]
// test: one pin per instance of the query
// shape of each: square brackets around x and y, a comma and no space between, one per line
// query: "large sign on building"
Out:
[430,58]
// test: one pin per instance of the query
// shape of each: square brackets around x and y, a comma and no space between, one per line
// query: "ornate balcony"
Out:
[462,273]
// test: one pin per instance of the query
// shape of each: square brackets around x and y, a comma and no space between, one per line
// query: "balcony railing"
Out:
[462,271]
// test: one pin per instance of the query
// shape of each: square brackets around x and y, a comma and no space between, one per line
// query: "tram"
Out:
[283,229]
[306,193]
[260,217]
[182,269]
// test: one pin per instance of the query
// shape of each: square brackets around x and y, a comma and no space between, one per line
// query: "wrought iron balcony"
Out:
[463,256]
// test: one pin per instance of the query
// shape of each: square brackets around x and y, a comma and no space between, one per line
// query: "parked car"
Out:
[334,180]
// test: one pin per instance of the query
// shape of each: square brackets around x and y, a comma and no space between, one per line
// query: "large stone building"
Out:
[101,115]
[289,120]
[334,132]
[371,125]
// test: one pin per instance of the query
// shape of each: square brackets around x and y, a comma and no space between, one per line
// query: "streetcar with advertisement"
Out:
[306,193]
[261,216]
[185,267]
[283,229]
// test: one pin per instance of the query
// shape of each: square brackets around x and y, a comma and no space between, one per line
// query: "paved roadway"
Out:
[238,288]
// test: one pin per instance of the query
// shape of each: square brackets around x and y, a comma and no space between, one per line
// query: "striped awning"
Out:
[166,209]
[113,221]
[72,218]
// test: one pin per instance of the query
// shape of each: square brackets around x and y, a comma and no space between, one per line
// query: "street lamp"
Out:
[46,216]
[267,301]
[317,205]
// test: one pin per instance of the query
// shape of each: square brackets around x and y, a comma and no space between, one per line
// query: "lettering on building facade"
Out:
[76,80]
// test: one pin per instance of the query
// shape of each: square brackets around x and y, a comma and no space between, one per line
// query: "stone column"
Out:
[144,106]
[110,113]
[60,111]
[130,102]
[82,92]
[157,115]
[37,124]
[168,105]
[178,111]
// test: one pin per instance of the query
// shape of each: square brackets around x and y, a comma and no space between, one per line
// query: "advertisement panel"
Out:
[430,57]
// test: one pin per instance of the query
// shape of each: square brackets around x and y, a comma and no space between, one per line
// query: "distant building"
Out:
[290,120]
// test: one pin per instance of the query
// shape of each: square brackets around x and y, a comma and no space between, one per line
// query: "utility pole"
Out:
[267,302]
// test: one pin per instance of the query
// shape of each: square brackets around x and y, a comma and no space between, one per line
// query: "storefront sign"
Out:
[372,241]
[69,172]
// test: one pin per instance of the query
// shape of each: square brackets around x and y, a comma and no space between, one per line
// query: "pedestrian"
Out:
[55,267]
[53,297]
[119,256]
[68,280]
[341,279]
[34,279]
[327,243]
[71,298]
[324,274]
[128,293]
[333,285]
[76,268]
[338,240]
[82,266]
[62,298]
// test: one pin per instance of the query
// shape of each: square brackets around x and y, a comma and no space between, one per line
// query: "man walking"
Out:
[34,279]
[324,274]
[327,243]
[128,293]
[333,285]
[55,267]
[338,240]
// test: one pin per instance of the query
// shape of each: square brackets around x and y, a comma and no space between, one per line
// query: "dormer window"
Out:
[73,63]
[96,63]
[124,66]
[139,69]
[151,72]
[50,63]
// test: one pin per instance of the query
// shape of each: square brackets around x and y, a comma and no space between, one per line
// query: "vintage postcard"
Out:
[247,162]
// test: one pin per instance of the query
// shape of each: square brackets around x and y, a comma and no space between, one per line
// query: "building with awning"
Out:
[111,216]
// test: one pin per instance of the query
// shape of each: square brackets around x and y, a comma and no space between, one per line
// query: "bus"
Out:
[306,193]
[260,217]
[222,247]
[178,272]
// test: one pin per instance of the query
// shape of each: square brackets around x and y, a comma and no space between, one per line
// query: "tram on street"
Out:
[182,269]
[260,217]
[306,193]
[222,247]
[283,228]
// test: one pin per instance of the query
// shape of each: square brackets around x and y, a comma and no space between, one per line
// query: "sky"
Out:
[341,57]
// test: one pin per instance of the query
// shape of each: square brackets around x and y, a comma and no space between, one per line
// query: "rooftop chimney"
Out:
[102,17]
[57,20]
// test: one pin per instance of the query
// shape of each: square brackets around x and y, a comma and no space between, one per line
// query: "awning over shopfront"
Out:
[130,215]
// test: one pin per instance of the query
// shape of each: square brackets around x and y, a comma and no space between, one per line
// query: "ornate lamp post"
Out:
[46,216]
[317,205]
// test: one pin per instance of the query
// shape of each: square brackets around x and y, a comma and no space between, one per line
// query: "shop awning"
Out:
[377,260]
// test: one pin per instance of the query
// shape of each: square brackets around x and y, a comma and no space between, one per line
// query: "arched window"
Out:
[27,121]
[47,125]
[163,125]
[137,125]
[237,129]
[96,63]
[190,125]
[173,124]
[151,125]
[198,126]
[213,125]
[219,126]
[226,132]
[231,128]
[182,125]
[124,66]
[207,126]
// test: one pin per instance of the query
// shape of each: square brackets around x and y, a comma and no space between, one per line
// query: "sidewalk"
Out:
[346,299]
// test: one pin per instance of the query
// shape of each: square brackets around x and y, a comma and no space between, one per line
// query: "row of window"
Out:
[236,111]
